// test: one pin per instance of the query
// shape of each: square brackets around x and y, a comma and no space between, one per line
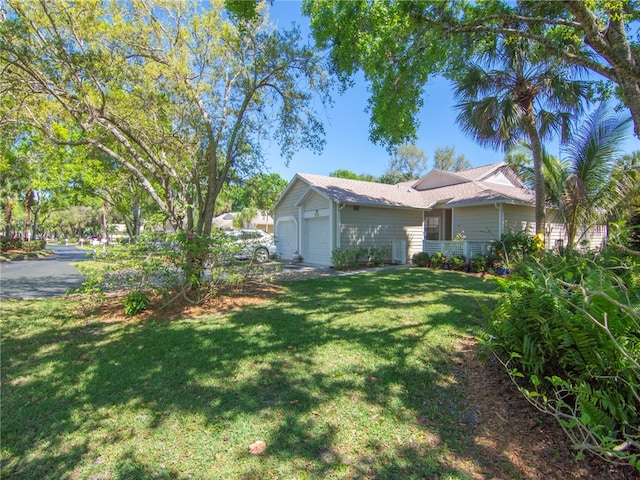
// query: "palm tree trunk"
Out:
[536,150]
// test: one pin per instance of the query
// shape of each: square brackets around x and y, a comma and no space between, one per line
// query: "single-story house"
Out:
[450,212]
[262,221]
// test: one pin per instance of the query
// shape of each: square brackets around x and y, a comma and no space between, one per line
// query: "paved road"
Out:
[45,277]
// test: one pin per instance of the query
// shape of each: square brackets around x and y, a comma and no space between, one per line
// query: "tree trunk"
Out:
[536,150]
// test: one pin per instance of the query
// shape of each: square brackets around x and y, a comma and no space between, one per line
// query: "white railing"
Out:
[455,247]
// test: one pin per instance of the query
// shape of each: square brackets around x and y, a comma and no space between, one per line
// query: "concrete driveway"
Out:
[45,277]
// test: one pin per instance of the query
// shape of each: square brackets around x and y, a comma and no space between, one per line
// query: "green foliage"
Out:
[19,244]
[420,259]
[437,260]
[347,258]
[169,264]
[478,263]
[182,121]
[457,262]
[444,158]
[378,255]
[135,302]
[512,248]
[568,326]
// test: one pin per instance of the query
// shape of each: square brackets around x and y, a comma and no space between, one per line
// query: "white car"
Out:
[254,244]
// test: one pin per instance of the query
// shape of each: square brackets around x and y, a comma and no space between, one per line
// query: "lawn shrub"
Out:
[33,245]
[167,264]
[347,258]
[135,302]
[567,330]
[420,259]
[437,260]
[378,255]
[456,262]
[511,249]
[478,264]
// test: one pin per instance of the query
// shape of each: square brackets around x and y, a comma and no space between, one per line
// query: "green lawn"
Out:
[344,377]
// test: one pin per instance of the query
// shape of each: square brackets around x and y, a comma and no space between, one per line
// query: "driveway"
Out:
[46,277]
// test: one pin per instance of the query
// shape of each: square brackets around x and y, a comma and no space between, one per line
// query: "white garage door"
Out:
[286,238]
[317,241]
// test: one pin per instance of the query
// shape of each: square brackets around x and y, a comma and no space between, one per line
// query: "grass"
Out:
[344,377]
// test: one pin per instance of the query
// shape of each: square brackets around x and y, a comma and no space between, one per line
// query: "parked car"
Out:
[253,245]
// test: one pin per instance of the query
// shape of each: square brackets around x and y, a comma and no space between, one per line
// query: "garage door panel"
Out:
[286,238]
[317,245]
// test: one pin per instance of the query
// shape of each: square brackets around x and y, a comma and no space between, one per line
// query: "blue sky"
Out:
[347,125]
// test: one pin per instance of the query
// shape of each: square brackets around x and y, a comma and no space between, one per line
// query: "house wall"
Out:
[518,218]
[287,221]
[595,238]
[479,224]
[314,201]
[379,227]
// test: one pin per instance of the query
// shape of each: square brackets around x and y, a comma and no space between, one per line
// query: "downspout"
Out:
[500,219]
[300,222]
[339,225]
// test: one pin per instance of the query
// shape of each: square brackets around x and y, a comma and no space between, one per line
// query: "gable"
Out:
[437,179]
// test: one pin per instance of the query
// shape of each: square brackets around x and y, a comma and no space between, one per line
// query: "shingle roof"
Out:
[364,193]
[470,192]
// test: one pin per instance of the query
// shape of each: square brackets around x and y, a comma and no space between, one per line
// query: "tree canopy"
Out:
[398,45]
[177,94]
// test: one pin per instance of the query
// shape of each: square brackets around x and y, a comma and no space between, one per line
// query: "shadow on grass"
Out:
[278,372]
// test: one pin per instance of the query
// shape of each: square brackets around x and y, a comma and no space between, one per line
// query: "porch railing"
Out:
[455,247]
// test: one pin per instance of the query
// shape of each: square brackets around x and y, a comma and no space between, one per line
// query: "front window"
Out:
[432,228]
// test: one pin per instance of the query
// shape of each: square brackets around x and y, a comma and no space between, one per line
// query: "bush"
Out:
[347,258]
[456,262]
[513,248]
[567,330]
[420,259]
[437,260]
[479,264]
[135,302]
[169,264]
[377,255]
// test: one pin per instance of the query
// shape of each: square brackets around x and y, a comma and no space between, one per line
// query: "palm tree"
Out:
[594,183]
[520,96]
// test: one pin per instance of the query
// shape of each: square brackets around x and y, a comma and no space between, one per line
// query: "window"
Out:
[432,228]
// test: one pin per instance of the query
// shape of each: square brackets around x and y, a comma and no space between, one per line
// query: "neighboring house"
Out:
[262,221]
[316,214]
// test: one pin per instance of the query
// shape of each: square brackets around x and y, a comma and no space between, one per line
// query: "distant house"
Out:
[316,214]
[262,221]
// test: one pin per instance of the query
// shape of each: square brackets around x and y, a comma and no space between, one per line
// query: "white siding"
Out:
[288,204]
[316,235]
[479,224]
[378,227]
[518,218]
[287,221]
[314,201]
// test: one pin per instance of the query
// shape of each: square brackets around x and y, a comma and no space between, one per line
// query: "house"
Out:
[450,212]
[261,221]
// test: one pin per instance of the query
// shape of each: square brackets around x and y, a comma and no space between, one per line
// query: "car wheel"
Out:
[261,255]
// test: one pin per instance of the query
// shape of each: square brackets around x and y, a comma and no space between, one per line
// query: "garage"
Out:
[286,237]
[316,241]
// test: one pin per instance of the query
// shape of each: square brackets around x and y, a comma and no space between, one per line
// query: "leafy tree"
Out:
[446,159]
[408,163]
[259,192]
[342,173]
[399,44]
[518,96]
[175,93]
